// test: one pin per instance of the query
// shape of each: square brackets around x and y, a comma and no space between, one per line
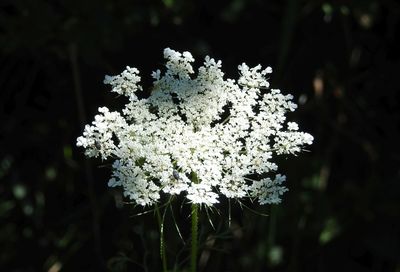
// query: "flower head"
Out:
[225,133]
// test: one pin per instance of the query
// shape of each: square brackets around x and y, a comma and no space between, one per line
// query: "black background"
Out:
[338,58]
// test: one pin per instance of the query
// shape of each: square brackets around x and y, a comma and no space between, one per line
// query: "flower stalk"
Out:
[194,244]
[162,241]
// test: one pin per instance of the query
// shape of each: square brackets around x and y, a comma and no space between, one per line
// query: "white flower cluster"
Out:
[202,136]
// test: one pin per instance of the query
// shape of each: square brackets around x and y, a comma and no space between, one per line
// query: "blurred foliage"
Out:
[340,60]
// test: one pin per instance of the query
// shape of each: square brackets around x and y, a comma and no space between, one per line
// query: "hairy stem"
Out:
[162,242]
[194,245]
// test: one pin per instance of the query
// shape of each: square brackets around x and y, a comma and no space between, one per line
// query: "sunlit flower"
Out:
[224,132]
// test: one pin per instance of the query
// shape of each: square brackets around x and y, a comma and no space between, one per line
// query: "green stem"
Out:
[162,245]
[195,228]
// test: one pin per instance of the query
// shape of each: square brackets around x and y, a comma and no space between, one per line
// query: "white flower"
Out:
[126,83]
[269,191]
[253,77]
[292,126]
[227,134]
[202,194]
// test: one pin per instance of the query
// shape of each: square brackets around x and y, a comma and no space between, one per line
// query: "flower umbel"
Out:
[225,132]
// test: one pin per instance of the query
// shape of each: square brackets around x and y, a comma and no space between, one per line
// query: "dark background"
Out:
[339,60]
